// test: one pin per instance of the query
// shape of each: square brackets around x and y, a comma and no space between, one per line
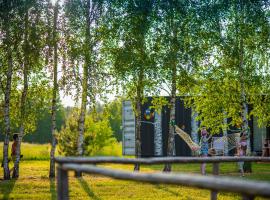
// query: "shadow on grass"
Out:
[7,187]
[166,189]
[52,189]
[87,189]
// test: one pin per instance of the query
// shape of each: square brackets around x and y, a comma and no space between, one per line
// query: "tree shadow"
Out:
[8,187]
[165,189]
[53,189]
[87,189]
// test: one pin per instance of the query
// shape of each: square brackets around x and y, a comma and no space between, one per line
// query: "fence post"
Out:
[215,172]
[62,184]
[247,197]
[77,174]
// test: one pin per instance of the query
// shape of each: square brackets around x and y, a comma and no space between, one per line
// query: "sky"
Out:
[66,100]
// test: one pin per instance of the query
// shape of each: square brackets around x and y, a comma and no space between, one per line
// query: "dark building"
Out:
[155,129]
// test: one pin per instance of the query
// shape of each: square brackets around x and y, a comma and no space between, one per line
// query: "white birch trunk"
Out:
[55,92]
[245,126]
[7,100]
[138,147]
[171,137]
[225,135]
[194,127]
[16,171]
[81,123]
[158,135]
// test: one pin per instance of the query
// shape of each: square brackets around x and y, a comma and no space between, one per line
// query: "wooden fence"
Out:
[248,189]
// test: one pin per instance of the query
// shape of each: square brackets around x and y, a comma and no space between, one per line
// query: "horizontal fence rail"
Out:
[251,188]
[248,189]
[154,161]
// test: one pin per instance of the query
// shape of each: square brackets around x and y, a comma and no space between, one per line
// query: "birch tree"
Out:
[55,89]
[7,65]
[176,46]
[231,78]
[130,54]
[28,59]
[82,20]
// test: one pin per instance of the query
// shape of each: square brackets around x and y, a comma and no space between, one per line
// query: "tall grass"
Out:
[115,149]
[31,151]
[42,151]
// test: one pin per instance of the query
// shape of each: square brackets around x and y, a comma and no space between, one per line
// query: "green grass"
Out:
[42,151]
[31,151]
[35,184]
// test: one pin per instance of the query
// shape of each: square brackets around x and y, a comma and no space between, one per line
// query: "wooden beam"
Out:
[62,184]
[164,160]
[249,188]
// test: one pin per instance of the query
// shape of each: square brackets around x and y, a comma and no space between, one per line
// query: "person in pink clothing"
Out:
[241,151]
[204,147]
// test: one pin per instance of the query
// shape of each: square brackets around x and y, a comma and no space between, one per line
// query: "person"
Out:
[14,147]
[242,150]
[204,147]
[183,127]
[13,150]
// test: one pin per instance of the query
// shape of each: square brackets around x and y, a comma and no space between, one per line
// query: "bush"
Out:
[98,134]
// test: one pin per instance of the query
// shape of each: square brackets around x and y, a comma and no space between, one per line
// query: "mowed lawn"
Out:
[35,184]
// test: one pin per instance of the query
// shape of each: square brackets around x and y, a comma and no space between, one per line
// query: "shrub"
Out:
[97,135]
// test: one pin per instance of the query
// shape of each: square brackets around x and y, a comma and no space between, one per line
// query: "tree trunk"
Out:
[55,92]
[171,142]
[194,127]
[7,100]
[245,126]
[138,148]
[23,98]
[158,134]
[84,83]
[225,135]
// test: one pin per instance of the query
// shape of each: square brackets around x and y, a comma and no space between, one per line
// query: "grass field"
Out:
[42,151]
[35,184]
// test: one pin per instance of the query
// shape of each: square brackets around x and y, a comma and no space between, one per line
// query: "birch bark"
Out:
[85,82]
[7,99]
[55,93]
[23,97]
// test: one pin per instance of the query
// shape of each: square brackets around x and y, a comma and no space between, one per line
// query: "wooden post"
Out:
[62,184]
[247,197]
[215,171]
[77,174]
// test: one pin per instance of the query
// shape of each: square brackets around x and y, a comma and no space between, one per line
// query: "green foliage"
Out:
[42,134]
[233,70]
[126,45]
[220,50]
[97,134]
[158,103]
[114,112]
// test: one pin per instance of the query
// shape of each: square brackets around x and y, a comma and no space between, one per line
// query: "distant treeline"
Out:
[42,134]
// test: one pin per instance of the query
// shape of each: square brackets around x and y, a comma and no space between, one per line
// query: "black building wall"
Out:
[182,117]
[147,132]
